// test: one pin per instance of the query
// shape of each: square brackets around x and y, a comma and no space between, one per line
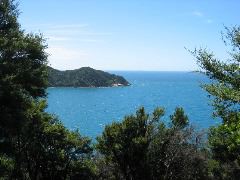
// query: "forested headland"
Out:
[84,77]
[36,145]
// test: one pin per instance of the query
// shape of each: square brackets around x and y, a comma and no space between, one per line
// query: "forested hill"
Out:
[84,77]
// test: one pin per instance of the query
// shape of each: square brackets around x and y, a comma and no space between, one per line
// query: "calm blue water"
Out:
[90,109]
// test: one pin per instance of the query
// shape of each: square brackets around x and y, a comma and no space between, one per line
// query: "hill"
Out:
[84,77]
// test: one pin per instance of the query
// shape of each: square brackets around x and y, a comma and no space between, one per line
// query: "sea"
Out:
[90,109]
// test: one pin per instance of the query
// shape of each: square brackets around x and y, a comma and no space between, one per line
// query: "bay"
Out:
[90,109]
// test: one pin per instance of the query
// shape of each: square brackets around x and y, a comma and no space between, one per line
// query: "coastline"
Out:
[92,87]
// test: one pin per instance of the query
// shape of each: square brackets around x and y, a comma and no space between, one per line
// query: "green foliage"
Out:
[143,147]
[33,143]
[22,77]
[6,166]
[84,77]
[179,119]
[22,64]
[224,140]
[49,150]
[226,76]
[125,144]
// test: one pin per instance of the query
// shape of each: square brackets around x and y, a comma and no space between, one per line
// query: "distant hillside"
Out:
[84,77]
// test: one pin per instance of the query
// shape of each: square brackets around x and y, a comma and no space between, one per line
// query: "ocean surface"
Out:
[90,109]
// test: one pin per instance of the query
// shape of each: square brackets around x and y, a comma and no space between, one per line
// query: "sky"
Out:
[139,35]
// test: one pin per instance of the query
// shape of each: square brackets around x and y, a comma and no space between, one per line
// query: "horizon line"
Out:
[130,70]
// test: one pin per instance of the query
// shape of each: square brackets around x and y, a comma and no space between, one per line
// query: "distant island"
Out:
[84,77]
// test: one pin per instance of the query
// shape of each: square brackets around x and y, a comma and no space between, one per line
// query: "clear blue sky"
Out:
[129,34]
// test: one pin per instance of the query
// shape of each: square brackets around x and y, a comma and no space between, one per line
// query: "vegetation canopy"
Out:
[84,77]
[33,143]
[224,139]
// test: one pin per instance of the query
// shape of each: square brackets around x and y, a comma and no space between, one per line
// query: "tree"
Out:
[125,144]
[224,139]
[22,77]
[50,151]
[177,151]
[179,119]
[33,143]
[143,147]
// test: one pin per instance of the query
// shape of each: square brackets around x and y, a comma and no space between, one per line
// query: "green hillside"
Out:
[84,77]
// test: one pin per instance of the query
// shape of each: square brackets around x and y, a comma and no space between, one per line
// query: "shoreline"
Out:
[90,87]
